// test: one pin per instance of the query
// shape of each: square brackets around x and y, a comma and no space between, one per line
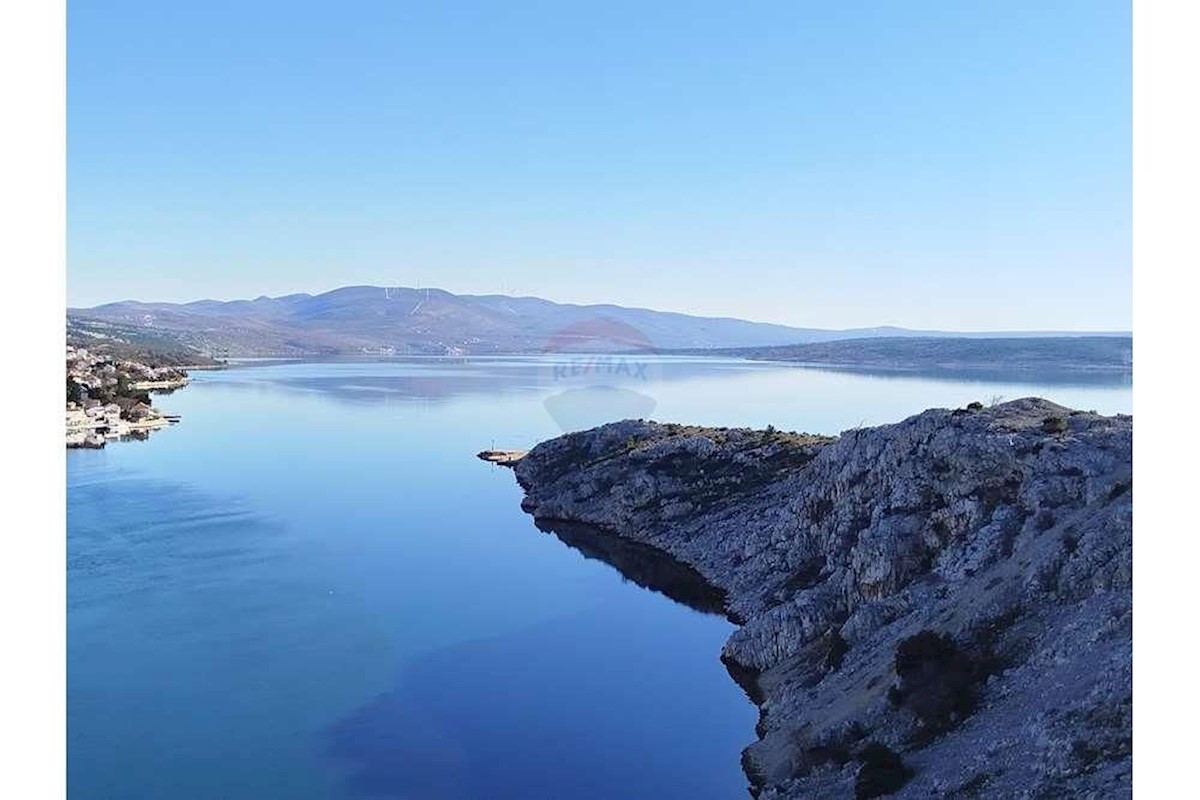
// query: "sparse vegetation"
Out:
[936,681]
[836,651]
[1054,424]
[882,772]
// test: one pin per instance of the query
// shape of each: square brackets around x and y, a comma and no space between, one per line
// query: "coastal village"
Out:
[109,398]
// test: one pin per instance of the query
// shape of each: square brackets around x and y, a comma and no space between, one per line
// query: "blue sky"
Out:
[834,164]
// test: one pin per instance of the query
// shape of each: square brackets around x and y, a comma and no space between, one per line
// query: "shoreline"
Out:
[948,366]
[96,434]
[647,566]
[109,398]
[812,542]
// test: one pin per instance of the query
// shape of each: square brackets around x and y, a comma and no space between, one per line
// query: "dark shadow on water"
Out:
[641,564]
[651,568]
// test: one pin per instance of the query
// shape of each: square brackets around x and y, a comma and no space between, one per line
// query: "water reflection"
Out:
[431,378]
[435,379]
[641,564]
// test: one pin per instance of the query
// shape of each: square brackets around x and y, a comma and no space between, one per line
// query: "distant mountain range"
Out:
[381,320]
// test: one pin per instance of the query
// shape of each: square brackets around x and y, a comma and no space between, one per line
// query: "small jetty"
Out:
[505,458]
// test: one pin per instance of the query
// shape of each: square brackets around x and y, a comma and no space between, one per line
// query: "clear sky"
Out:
[927,163]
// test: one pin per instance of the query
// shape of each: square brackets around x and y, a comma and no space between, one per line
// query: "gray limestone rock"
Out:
[1006,531]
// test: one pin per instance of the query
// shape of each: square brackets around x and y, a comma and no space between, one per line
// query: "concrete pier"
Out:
[505,458]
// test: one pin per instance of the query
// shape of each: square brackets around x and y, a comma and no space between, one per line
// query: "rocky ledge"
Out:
[936,608]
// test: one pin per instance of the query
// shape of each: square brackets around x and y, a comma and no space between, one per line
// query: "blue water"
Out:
[310,588]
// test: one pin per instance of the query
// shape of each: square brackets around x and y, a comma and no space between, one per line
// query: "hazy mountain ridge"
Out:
[366,319]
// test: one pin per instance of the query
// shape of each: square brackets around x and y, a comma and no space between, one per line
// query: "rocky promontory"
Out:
[940,607]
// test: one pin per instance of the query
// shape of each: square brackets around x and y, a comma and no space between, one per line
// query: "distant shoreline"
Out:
[948,366]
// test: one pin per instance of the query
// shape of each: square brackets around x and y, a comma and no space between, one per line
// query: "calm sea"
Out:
[310,588]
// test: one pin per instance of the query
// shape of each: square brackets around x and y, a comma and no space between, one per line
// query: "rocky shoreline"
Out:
[936,608]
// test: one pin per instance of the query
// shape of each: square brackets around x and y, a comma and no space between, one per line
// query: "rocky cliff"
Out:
[936,608]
